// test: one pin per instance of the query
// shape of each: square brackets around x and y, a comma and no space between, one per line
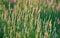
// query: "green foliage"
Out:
[29,19]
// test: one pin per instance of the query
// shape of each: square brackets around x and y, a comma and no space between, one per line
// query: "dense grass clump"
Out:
[29,19]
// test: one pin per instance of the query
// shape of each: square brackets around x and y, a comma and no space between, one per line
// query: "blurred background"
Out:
[29,18]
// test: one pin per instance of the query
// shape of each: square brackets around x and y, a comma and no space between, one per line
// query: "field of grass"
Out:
[30,19]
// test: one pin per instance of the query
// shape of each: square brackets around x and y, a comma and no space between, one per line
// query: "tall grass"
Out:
[30,18]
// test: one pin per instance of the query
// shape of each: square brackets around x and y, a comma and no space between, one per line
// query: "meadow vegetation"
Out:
[29,18]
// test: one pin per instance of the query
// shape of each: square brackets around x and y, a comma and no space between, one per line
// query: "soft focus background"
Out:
[29,18]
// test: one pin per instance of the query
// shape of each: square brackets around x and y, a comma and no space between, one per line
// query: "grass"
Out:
[29,19]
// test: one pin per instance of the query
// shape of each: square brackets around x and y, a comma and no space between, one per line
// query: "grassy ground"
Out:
[29,19]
